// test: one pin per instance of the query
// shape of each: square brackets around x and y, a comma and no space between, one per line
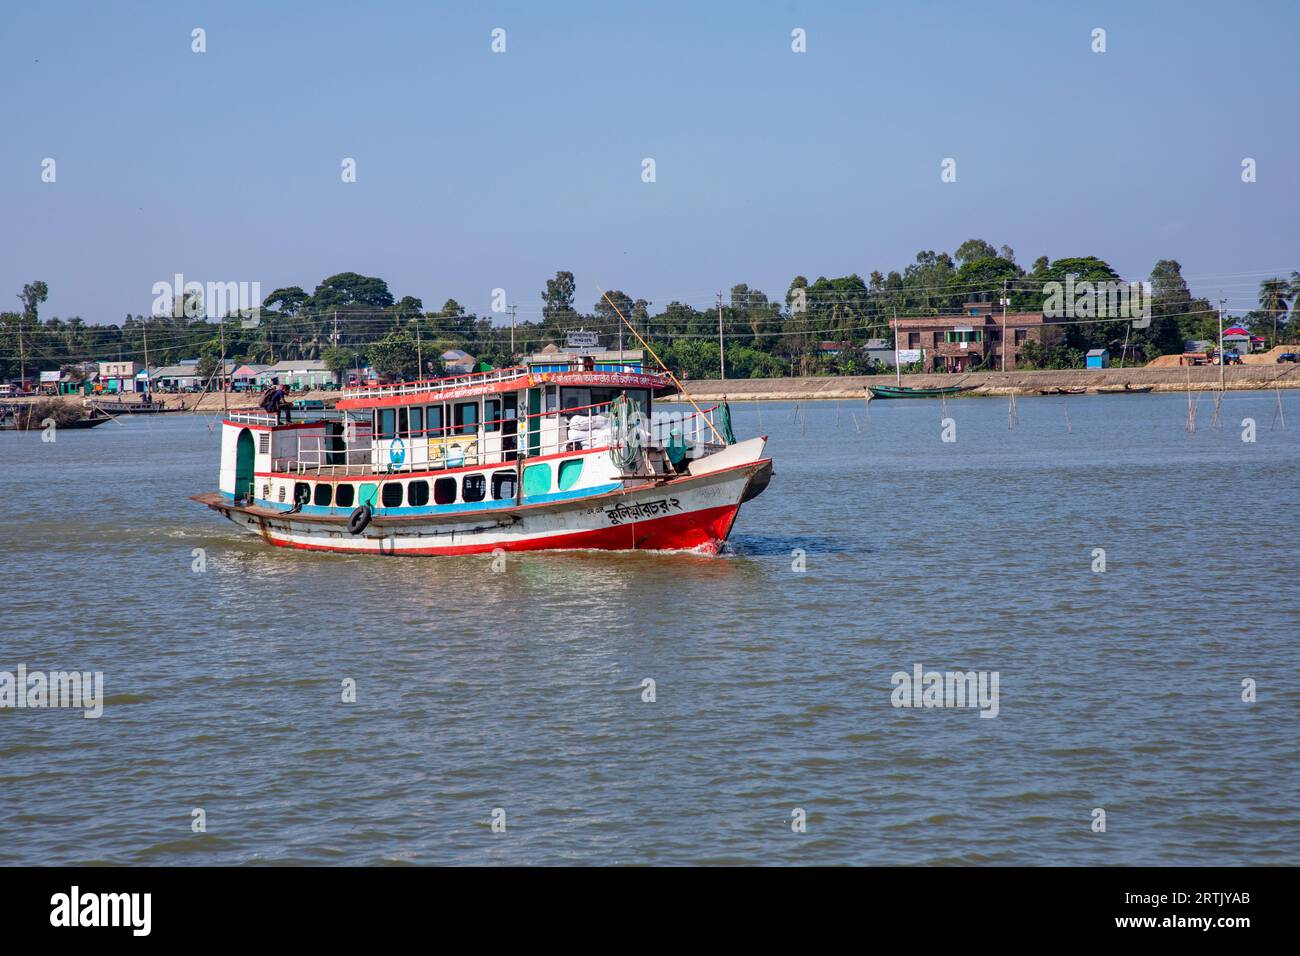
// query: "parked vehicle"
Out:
[1289,357]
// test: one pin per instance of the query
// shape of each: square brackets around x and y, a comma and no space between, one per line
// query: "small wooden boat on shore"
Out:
[906,391]
[17,423]
[1124,389]
[1078,390]
[130,408]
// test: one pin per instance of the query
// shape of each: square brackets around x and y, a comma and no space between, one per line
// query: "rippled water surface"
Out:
[522,690]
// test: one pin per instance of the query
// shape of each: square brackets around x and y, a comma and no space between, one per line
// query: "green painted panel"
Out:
[534,423]
[368,496]
[537,479]
[570,472]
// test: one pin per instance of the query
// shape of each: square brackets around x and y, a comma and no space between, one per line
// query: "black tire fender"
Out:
[360,518]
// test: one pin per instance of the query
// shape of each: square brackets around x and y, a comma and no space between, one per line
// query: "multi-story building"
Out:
[119,376]
[980,336]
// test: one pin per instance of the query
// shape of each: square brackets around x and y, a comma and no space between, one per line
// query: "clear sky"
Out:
[478,170]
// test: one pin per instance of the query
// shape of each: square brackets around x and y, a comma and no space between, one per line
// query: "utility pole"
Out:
[1221,302]
[221,371]
[419,353]
[1005,302]
[22,356]
[722,350]
[146,355]
[898,370]
[512,333]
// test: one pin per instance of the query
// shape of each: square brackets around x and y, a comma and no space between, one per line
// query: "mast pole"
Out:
[646,345]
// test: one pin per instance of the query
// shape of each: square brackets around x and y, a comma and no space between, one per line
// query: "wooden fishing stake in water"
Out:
[1191,409]
[1068,427]
[1013,416]
[1217,420]
[855,421]
[1277,412]
[655,355]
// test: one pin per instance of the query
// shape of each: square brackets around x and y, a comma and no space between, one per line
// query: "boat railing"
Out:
[253,418]
[435,384]
[489,443]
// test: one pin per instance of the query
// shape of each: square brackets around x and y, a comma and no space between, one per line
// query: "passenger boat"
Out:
[904,391]
[563,452]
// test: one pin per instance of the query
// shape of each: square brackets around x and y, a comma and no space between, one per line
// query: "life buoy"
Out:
[360,518]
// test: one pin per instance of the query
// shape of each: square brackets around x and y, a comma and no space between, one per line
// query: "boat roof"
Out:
[488,383]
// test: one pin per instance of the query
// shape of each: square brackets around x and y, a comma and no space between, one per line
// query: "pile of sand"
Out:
[1257,358]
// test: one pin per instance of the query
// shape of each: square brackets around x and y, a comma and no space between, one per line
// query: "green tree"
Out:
[1272,302]
[557,301]
[395,354]
[287,301]
[351,292]
[339,360]
[973,249]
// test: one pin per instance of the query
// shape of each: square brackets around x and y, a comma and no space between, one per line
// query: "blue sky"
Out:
[478,170]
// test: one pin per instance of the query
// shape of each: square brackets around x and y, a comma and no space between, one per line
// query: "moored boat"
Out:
[904,391]
[1124,389]
[1063,390]
[555,454]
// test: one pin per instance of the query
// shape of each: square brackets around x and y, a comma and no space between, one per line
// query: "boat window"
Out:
[504,485]
[473,488]
[392,494]
[301,493]
[465,418]
[569,472]
[403,421]
[434,414]
[417,422]
[492,415]
[417,493]
[444,491]
[321,497]
[367,496]
[344,496]
[537,479]
[386,423]
[577,398]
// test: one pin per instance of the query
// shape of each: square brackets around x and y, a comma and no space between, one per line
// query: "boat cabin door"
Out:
[245,450]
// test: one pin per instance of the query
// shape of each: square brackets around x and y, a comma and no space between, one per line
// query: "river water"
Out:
[520,694]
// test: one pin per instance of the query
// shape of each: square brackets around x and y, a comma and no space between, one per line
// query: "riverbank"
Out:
[1201,378]
[797,389]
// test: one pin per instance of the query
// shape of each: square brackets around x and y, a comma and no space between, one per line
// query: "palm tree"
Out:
[1272,300]
[1295,302]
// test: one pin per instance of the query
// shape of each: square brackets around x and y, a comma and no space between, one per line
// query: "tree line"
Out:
[350,319]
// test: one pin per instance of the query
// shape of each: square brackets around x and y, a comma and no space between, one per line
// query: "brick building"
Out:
[960,343]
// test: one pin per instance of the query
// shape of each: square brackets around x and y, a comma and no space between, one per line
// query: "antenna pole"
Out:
[722,350]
